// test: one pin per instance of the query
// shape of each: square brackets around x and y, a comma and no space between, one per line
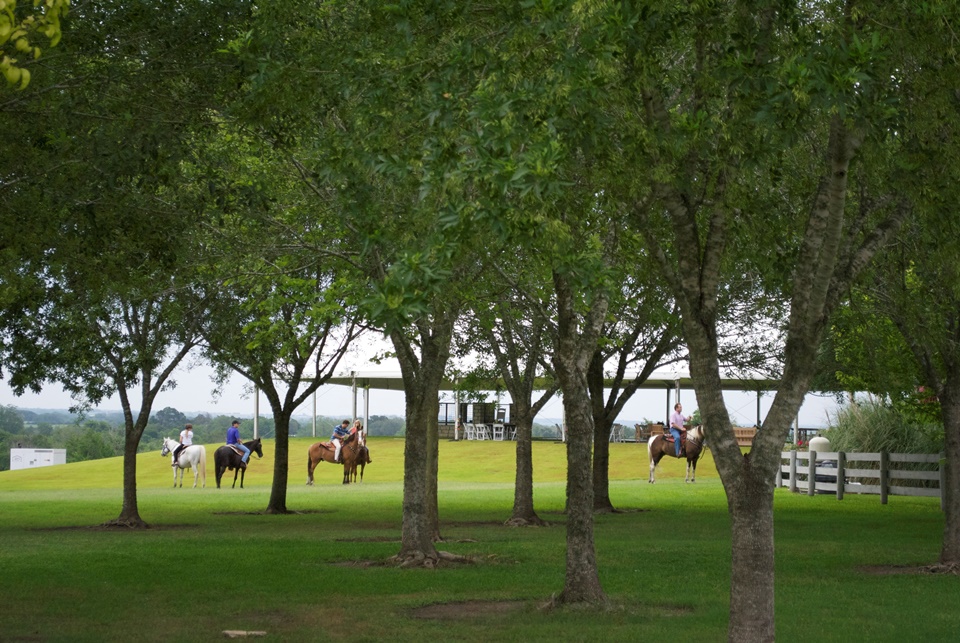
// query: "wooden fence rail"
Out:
[874,473]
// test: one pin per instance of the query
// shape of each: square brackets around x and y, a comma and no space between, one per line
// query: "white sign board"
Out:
[33,458]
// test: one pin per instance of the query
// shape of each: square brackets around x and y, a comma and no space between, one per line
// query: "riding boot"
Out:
[243,465]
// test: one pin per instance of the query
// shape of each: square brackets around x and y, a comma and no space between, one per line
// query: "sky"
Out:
[193,394]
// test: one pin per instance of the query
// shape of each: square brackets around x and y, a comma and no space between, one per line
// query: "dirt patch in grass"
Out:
[360,564]
[889,570]
[264,513]
[672,610]
[467,610]
[115,528]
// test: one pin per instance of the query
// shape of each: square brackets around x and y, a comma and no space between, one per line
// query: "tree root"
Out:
[528,521]
[429,561]
[129,523]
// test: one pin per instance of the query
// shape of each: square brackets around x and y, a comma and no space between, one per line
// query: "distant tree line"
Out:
[101,435]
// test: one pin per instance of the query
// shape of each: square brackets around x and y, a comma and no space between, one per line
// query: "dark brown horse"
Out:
[227,458]
[352,453]
[662,445]
[363,459]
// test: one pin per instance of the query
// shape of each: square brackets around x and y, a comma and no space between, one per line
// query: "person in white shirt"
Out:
[186,439]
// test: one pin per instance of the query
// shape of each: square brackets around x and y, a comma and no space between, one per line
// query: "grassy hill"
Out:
[474,461]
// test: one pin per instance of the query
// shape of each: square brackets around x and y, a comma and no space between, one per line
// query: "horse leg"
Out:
[651,447]
[243,474]
[310,466]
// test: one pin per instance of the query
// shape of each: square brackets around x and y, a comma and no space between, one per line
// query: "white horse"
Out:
[192,457]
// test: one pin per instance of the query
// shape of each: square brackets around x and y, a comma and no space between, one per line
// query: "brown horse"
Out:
[662,445]
[363,458]
[352,453]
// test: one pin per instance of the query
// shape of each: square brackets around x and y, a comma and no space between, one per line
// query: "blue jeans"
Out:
[246,451]
[677,437]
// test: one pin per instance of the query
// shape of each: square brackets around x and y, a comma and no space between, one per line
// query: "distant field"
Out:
[211,561]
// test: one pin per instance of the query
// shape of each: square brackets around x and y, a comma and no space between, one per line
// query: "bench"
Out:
[744,435]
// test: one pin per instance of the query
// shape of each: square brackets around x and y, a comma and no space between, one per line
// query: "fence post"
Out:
[942,466]
[841,477]
[793,471]
[812,473]
[884,474]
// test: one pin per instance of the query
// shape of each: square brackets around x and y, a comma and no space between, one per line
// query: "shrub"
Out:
[873,426]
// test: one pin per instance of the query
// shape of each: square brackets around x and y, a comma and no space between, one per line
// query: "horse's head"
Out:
[696,433]
[256,447]
[165,451]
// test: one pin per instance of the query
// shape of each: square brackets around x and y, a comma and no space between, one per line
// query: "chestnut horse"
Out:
[662,445]
[353,452]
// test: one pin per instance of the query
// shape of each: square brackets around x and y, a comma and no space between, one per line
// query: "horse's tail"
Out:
[202,465]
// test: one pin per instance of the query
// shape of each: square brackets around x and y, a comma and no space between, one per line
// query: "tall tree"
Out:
[95,295]
[641,335]
[282,299]
[508,336]
[699,214]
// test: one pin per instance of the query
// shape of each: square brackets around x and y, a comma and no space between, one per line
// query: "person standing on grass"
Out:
[233,439]
[676,426]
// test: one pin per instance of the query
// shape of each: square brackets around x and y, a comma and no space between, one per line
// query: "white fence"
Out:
[884,474]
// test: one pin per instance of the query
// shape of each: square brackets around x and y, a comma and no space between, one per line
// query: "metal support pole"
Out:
[758,408]
[366,409]
[256,412]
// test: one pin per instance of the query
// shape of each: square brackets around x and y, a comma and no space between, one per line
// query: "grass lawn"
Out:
[212,562]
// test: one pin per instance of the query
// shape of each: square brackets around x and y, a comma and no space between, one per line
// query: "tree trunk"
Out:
[133,432]
[582,581]
[421,382]
[433,463]
[950,410]
[575,344]
[601,468]
[750,502]
[129,511]
[281,463]
[523,511]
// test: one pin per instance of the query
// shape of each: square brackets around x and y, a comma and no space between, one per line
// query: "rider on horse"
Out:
[186,439]
[233,439]
[340,432]
[676,426]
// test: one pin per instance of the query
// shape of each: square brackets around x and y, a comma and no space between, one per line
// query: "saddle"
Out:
[236,449]
[669,438]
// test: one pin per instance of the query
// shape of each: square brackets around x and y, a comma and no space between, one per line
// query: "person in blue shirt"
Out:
[340,432]
[233,438]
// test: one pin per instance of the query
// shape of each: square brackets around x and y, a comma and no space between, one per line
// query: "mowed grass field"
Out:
[212,561]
